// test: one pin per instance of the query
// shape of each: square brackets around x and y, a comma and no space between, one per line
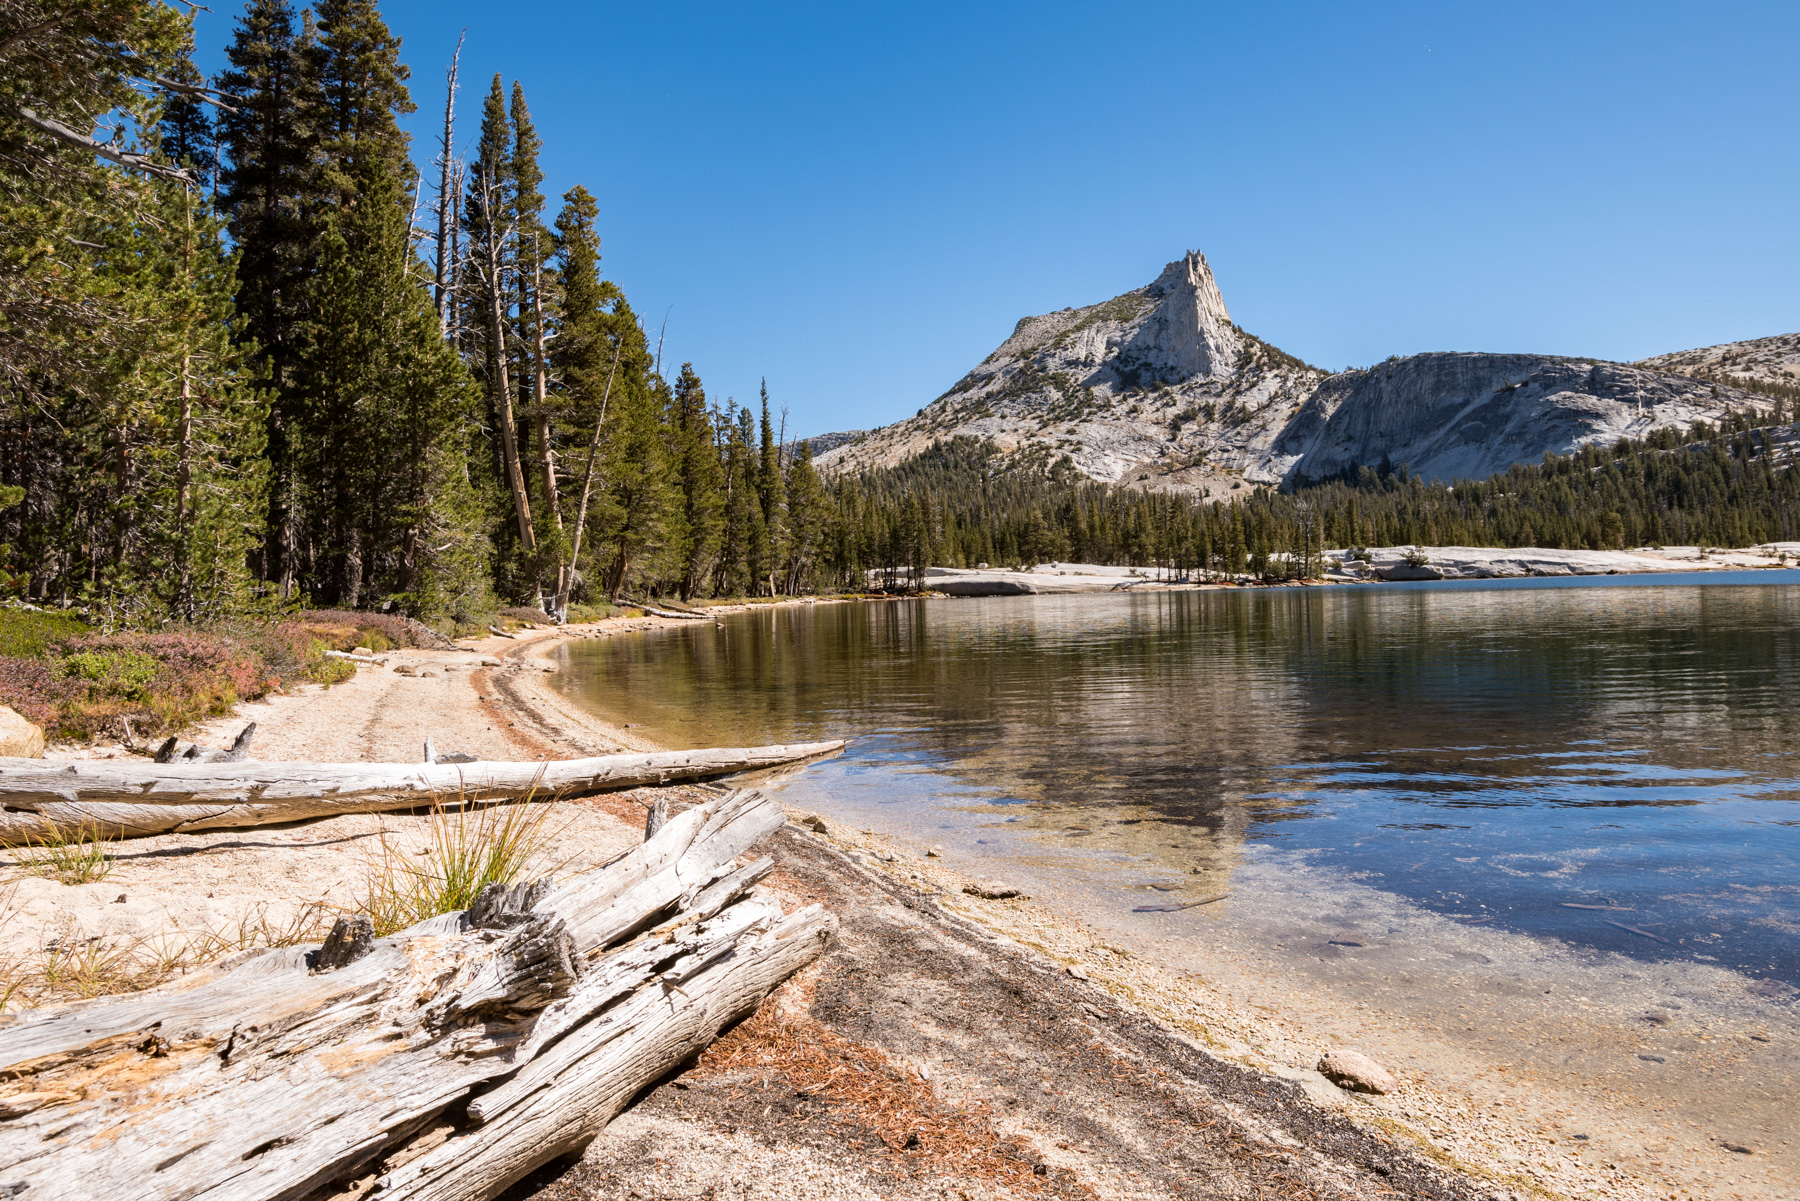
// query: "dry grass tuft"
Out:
[895,1103]
[468,846]
[81,856]
[77,968]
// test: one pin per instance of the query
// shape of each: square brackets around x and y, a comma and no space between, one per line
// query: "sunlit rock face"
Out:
[1468,416]
[1158,388]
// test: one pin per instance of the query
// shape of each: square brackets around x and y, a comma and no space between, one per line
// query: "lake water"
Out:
[1604,771]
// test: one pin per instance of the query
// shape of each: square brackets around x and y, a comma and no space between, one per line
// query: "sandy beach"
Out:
[947,1046]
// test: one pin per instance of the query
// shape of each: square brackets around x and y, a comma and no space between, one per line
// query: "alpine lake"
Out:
[1538,838]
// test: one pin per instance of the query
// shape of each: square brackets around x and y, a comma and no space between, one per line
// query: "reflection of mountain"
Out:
[1174,725]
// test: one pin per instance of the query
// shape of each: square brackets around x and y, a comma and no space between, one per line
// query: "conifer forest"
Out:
[258,349]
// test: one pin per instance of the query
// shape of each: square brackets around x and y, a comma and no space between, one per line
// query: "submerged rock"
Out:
[992,890]
[1357,1072]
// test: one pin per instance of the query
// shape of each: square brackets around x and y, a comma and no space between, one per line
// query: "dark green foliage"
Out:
[961,502]
[386,403]
[694,457]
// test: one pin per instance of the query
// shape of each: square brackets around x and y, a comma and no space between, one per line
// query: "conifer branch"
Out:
[124,158]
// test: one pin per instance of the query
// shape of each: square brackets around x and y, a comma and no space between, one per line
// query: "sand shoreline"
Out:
[1450,1144]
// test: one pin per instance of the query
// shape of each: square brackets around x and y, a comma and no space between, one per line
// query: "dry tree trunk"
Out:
[444,1062]
[442,294]
[566,583]
[130,799]
[503,403]
[540,386]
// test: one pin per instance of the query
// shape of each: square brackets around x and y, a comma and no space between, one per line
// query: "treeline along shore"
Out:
[253,355]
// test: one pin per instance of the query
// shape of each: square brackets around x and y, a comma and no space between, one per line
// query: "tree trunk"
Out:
[130,799]
[509,435]
[442,293]
[541,385]
[566,578]
[443,1062]
[184,433]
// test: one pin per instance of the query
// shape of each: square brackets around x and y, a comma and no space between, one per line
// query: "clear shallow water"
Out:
[1494,750]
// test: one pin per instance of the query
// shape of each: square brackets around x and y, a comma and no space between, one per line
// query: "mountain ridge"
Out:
[1158,388]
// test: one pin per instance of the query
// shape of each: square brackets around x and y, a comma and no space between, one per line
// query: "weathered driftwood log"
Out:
[656,611]
[354,658]
[444,1062]
[133,798]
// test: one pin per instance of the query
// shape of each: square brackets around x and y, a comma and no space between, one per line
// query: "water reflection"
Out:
[1507,752]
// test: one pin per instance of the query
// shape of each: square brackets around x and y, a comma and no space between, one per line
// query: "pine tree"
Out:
[731,574]
[536,310]
[387,399]
[772,489]
[694,456]
[185,130]
[268,192]
[634,510]
[808,517]
[585,356]
[360,84]
[758,560]
[491,223]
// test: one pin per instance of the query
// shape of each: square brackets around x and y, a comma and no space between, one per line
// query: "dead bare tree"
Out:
[541,384]
[441,296]
[565,580]
[509,438]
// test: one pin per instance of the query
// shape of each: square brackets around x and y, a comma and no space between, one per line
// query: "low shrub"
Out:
[36,689]
[526,614]
[24,633]
[346,629]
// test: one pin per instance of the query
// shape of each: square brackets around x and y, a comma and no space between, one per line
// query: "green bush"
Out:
[113,674]
[25,635]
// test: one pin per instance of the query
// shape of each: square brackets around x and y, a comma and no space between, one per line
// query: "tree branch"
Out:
[124,158]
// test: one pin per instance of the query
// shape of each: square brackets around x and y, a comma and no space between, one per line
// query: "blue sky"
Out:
[858,201]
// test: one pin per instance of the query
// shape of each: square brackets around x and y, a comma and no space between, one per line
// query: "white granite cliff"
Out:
[1158,388]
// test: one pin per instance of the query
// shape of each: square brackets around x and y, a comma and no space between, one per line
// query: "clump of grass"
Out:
[74,968]
[84,856]
[468,846]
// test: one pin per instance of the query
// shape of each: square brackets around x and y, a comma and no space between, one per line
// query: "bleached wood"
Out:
[265,1080]
[131,798]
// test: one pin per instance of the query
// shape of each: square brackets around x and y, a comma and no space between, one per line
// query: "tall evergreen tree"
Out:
[694,456]
[386,404]
[535,307]
[808,517]
[360,84]
[268,192]
[491,224]
[772,486]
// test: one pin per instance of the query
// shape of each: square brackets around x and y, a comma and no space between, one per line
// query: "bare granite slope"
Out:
[1469,416]
[1773,360]
[1158,388]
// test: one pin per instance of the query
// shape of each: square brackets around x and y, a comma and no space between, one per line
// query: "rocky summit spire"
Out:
[1190,328]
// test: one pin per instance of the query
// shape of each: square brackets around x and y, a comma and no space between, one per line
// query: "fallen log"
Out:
[654,611]
[445,1061]
[131,798]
